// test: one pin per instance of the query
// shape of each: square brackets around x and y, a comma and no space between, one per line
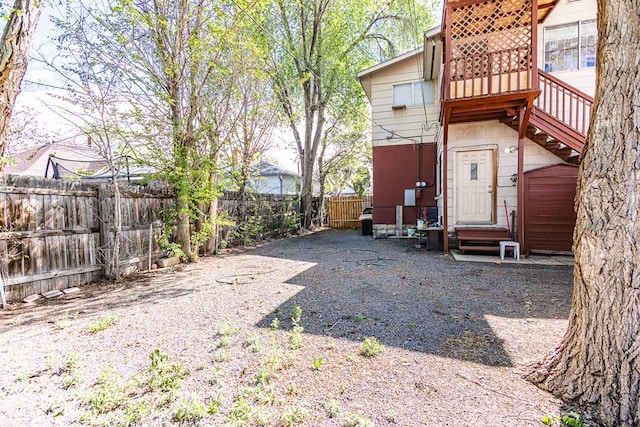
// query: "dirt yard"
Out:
[200,344]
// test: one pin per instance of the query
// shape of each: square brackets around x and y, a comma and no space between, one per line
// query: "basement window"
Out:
[411,94]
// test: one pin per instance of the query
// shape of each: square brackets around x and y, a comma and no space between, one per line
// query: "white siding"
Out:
[414,124]
[494,135]
[565,13]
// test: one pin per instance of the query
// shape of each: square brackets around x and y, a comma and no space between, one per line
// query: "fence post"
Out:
[104,218]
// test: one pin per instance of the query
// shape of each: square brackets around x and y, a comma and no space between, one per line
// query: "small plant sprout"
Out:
[356,420]
[293,415]
[371,347]
[214,405]
[360,317]
[317,363]
[275,323]
[292,389]
[102,324]
[333,408]
[189,411]
[227,328]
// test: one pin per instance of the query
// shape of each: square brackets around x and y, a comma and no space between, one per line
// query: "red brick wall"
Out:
[395,168]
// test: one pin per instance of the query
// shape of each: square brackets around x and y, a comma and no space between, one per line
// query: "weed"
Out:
[189,411]
[317,363]
[108,393]
[567,420]
[263,395]
[371,347]
[343,388]
[295,338]
[70,370]
[223,342]
[264,375]
[227,328]
[55,408]
[356,420]
[136,411]
[223,356]
[572,420]
[275,323]
[360,317]
[164,376]
[333,408]
[260,418]
[214,405]
[239,414]
[292,389]
[293,415]
[102,324]
[295,313]
[332,345]
[215,375]
[251,340]
[412,325]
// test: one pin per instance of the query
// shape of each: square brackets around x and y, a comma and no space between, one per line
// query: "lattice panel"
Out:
[491,26]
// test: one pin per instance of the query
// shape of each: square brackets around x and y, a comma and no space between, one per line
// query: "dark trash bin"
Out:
[366,221]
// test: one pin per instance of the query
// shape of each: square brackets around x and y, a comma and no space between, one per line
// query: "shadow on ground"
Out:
[360,287]
[413,299]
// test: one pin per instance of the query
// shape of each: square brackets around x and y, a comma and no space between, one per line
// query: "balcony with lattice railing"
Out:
[488,48]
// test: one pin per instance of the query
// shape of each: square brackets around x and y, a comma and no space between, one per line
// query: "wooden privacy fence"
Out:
[345,211]
[58,234]
[55,234]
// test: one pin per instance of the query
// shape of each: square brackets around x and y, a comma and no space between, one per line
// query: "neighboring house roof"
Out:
[34,161]
[264,168]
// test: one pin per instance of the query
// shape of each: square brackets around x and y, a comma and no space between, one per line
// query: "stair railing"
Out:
[567,104]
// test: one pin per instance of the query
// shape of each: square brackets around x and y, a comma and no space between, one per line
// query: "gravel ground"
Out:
[456,338]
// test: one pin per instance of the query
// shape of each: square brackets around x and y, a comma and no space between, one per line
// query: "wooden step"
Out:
[541,137]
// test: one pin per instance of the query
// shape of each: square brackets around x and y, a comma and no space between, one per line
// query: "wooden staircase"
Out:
[560,118]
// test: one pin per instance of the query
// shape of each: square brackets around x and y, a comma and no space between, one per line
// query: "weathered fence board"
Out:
[57,234]
[345,211]
[50,231]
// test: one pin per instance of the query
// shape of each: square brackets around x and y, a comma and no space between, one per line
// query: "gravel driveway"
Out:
[198,344]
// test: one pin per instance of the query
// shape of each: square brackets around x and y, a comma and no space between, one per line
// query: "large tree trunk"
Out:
[14,54]
[597,364]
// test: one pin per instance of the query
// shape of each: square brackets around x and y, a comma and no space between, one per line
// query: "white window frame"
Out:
[428,92]
[548,65]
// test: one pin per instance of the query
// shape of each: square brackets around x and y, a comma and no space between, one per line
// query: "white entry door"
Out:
[474,187]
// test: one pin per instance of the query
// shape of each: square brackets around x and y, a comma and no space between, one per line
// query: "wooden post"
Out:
[104,219]
[522,124]
[445,187]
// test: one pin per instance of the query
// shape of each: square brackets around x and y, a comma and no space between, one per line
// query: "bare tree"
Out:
[597,364]
[14,53]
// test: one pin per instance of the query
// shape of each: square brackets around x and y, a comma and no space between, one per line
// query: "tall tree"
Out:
[597,364]
[14,52]
[319,46]
[165,64]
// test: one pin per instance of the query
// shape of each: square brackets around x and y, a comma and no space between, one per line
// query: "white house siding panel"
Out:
[494,135]
[567,12]
[412,124]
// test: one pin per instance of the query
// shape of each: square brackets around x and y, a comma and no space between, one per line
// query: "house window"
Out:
[570,46]
[416,93]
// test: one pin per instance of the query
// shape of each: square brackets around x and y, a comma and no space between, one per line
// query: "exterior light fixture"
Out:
[511,149]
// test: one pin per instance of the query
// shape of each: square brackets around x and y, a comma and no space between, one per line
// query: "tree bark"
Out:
[597,364]
[14,55]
